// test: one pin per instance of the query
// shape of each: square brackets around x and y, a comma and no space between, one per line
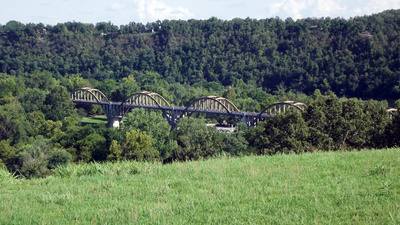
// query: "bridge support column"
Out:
[113,113]
[114,121]
[249,120]
[172,117]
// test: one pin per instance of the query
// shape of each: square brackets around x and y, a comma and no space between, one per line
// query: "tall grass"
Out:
[320,188]
[6,176]
[124,168]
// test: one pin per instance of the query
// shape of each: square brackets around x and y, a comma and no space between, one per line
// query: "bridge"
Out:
[214,105]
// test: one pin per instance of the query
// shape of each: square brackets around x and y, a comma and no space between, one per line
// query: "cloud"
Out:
[116,6]
[375,6]
[152,10]
[289,8]
[329,8]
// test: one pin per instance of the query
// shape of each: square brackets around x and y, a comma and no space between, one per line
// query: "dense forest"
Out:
[356,57]
[253,63]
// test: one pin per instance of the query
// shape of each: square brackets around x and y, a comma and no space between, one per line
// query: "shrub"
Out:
[37,159]
[58,157]
[138,147]
[195,140]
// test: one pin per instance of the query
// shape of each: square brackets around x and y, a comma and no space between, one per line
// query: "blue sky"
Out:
[121,12]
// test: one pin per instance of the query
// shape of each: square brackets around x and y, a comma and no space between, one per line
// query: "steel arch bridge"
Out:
[214,105]
[115,111]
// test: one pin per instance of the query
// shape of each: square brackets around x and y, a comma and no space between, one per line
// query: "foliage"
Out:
[7,153]
[115,151]
[138,147]
[195,140]
[58,104]
[286,133]
[92,148]
[328,123]
[36,159]
[58,157]
[156,126]
[352,57]
[13,121]
[235,144]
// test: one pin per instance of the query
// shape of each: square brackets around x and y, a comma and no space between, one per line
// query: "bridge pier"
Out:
[113,111]
[114,121]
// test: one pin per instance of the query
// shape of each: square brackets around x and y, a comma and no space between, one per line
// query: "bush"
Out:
[195,140]
[138,147]
[57,158]
[37,159]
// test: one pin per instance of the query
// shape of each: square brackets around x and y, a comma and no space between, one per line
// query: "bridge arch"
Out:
[392,112]
[89,95]
[281,107]
[146,98]
[212,104]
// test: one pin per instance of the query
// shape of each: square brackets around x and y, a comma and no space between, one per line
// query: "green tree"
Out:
[32,99]
[235,144]
[36,159]
[76,81]
[115,151]
[92,147]
[397,104]
[125,89]
[13,122]
[195,140]
[285,133]
[138,146]
[58,104]
[7,153]
[8,84]
[156,126]
[42,80]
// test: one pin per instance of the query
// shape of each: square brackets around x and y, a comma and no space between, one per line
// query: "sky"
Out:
[121,12]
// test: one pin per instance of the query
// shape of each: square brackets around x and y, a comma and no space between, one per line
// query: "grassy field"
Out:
[319,188]
[99,119]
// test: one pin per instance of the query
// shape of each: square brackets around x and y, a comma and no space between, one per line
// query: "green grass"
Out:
[99,119]
[320,188]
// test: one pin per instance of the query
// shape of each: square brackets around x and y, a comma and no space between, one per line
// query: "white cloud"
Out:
[117,6]
[375,6]
[295,8]
[152,10]
[274,9]
[329,7]
[289,8]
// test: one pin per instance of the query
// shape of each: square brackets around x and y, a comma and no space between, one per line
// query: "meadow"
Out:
[99,119]
[317,188]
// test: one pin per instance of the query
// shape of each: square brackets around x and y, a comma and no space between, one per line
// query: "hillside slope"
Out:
[341,187]
[355,57]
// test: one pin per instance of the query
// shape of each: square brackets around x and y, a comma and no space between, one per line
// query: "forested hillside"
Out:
[253,63]
[356,57]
